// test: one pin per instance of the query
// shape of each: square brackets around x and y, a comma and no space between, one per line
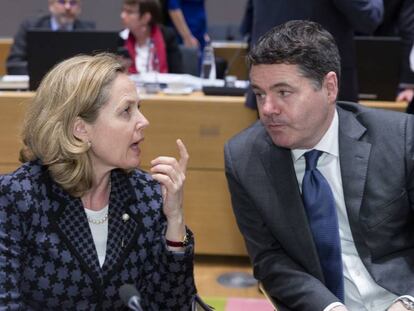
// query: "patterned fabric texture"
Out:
[48,260]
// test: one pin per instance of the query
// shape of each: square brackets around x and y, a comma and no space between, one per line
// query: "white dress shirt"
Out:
[55,26]
[361,291]
[141,51]
[99,231]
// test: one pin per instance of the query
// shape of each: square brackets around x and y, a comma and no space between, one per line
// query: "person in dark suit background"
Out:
[142,21]
[399,21]
[341,18]
[79,219]
[366,162]
[64,16]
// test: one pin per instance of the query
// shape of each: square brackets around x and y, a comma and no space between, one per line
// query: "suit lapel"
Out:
[124,225]
[354,157]
[280,171]
[72,225]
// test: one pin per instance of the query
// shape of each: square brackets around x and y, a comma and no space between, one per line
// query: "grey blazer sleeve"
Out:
[282,277]
[363,15]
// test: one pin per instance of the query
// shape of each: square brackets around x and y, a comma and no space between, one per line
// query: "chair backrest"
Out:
[190,57]
[190,60]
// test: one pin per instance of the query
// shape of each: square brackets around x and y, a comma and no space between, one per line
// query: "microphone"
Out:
[130,296]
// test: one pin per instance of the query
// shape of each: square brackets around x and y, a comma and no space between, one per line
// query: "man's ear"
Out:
[331,86]
[80,130]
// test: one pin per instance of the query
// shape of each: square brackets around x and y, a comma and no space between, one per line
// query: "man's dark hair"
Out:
[298,42]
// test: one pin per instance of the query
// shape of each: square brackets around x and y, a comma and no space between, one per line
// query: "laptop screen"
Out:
[378,66]
[45,48]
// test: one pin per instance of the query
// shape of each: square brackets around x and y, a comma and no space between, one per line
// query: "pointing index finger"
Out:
[183,155]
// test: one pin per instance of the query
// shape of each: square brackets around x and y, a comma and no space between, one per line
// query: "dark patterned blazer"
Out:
[48,259]
[16,63]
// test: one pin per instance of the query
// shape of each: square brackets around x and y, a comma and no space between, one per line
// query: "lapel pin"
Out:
[125,217]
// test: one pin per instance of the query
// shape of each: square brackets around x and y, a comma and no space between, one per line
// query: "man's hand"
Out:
[405,95]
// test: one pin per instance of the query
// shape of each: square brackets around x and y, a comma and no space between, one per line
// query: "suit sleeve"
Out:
[168,283]
[11,252]
[174,4]
[17,60]
[282,277]
[363,15]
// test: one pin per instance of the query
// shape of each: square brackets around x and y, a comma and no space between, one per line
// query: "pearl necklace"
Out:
[98,221]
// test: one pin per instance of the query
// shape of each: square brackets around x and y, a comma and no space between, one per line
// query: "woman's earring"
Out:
[89,144]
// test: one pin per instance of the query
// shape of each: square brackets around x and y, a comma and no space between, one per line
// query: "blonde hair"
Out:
[77,87]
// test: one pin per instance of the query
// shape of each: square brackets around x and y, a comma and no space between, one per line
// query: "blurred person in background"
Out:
[149,44]
[398,21]
[63,16]
[341,18]
[189,18]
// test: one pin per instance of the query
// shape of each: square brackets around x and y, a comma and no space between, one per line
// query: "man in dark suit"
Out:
[399,22]
[363,183]
[63,17]
[341,18]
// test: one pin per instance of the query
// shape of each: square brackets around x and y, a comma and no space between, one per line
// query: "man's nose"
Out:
[271,105]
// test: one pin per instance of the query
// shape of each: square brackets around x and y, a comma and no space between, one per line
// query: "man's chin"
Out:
[282,142]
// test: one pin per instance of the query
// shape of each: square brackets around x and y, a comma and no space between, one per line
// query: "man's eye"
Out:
[260,95]
[284,93]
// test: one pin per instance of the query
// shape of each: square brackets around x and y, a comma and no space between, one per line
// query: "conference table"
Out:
[204,123]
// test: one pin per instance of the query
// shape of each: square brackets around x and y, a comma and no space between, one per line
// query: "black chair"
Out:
[190,60]
[190,57]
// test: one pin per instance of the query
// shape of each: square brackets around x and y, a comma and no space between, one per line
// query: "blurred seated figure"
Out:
[150,45]
[63,16]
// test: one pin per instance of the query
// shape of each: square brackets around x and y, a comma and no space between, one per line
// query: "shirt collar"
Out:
[55,25]
[328,143]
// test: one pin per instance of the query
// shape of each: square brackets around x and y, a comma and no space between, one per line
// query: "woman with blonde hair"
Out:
[78,219]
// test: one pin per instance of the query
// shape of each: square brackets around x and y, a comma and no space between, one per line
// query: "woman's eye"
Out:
[127,111]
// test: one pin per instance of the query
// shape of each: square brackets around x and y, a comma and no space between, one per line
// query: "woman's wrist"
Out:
[175,228]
